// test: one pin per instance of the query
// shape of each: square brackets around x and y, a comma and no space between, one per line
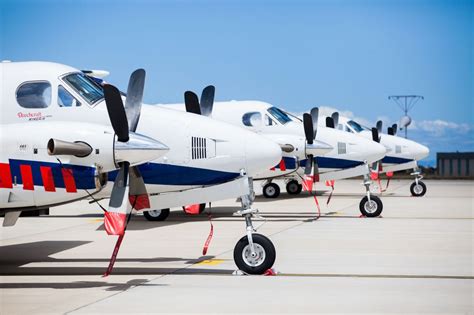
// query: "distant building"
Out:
[455,164]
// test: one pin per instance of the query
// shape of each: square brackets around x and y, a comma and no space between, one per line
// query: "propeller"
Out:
[335,118]
[392,130]
[378,125]
[329,122]
[313,147]
[204,107]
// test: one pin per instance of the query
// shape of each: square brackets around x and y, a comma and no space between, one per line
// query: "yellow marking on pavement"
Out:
[211,262]
[96,220]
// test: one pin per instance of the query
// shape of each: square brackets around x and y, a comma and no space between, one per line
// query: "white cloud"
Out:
[439,127]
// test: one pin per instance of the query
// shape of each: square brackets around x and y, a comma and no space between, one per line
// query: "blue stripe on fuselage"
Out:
[327,162]
[83,175]
[395,160]
[167,174]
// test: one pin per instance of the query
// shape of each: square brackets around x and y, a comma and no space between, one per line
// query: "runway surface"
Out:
[417,258]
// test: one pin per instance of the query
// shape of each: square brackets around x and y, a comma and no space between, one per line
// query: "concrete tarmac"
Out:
[416,258]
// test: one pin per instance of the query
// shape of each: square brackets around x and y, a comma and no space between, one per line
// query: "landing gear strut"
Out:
[253,253]
[371,205]
[417,188]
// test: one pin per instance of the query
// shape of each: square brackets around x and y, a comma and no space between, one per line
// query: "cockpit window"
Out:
[357,127]
[65,99]
[279,115]
[34,94]
[252,119]
[85,87]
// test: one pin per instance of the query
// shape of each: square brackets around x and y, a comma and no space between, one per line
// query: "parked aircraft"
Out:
[322,153]
[58,146]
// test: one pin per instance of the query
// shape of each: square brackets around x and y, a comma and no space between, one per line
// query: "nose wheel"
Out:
[371,207]
[255,261]
[157,215]
[418,189]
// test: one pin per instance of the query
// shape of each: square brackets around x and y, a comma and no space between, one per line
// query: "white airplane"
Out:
[58,147]
[403,154]
[323,153]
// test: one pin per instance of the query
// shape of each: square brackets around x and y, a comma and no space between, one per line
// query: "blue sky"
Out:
[348,55]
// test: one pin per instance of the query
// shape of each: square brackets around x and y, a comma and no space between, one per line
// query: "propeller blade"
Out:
[395,128]
[315,116]
[379,126]
[390,131]
[375,135]
[117,115]
[308,128]
[335,118]
[133,102]
[116,217]
[138,195]
[329,122]
[207,100]
[308,168]
[192,103]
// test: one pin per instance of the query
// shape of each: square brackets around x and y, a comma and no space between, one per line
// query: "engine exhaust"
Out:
[59,147]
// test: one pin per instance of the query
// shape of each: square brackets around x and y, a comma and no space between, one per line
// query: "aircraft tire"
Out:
[271,190]
[157,215]
[371,209]
[293,187]
[265,254]
[418,190]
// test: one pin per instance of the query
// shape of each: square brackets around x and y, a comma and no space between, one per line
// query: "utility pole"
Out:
[406,103]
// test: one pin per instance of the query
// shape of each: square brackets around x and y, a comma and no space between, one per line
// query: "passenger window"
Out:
[252,119]
[65,99]
[34,94]
[398,149]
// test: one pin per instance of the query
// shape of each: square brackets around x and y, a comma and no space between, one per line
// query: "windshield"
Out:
[279,115]
[357,127]
[85,87]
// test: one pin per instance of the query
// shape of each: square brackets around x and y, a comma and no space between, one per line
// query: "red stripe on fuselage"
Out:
[69,181]
[27,177]
[5,176]
[48,180]
[282,165]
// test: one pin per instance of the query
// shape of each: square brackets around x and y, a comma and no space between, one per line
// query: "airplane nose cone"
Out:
[375,151]
[421,152]
[261,153]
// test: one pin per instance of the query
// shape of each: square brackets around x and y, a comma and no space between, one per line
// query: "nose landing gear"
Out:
[253,253]
[371,205]
[417,188]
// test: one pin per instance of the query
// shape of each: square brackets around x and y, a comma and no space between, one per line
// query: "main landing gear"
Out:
[157,215]
[417,188]
[253,253]
[371,205]
[272,190]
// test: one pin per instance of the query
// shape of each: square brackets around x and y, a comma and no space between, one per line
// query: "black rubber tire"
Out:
[271,190]
[269,250]
[412,189]
[157,217]
[372,214]
[202,207]
[293,188]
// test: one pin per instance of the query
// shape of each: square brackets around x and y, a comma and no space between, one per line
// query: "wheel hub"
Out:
[418,189]
[370,206]
[254,259]
[154,213]
[270,191]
